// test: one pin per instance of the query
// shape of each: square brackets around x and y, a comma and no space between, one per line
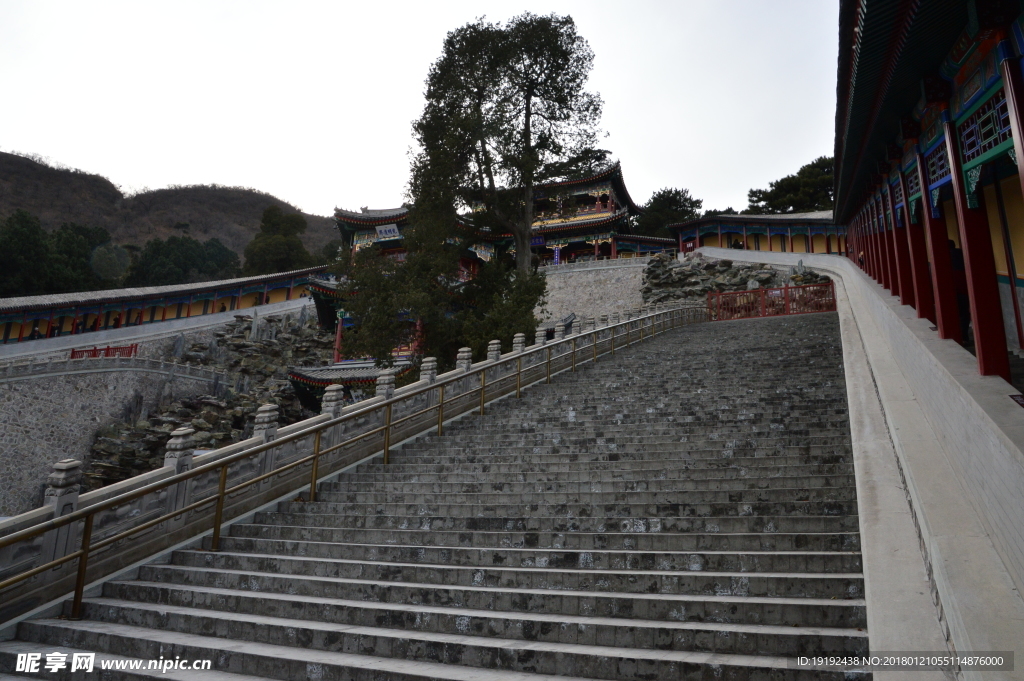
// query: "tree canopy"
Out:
[72,258]
[506,110]
[277,247]
[181,260]
[426,298]
[809,190]
[665,207]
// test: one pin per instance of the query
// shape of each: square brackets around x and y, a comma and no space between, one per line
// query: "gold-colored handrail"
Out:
[668,319]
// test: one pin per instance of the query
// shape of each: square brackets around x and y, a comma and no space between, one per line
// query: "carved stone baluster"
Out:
[62,489]
[428,369]
[178,456]
[494,350]
[464,360]
[386,383]
[265,431]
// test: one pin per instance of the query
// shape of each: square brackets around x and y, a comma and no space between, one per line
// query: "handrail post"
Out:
[519,377]
[83,565]
[574,353]
[483,390]
[594,334]
[440,411]
[549,364]
[316,466]
[218,515]
[611,339]
[628,339]
[387,434]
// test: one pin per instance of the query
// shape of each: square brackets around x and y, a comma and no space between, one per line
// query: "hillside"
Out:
[59,195]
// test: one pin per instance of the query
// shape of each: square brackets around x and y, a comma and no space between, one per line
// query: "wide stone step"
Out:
[501,484]
[330,652]
[595,498]
[600,523]
[554,452]
[599,559]
[145,605]
[660,541]
[614,509]
[754,598]
[729,469]
[665,426]
[766,466]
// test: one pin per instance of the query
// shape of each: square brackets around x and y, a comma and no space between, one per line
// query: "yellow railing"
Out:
[534,364]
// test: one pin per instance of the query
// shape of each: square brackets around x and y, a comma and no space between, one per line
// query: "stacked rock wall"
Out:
[668,280]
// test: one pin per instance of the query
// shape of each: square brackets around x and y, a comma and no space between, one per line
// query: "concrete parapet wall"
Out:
[593,288]
[957,442]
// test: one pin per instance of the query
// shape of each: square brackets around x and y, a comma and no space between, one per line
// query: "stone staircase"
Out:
[684,510]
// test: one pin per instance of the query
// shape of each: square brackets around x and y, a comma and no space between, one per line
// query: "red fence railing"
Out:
[772,302]
[109,351]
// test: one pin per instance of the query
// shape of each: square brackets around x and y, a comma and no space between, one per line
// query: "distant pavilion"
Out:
[783,232]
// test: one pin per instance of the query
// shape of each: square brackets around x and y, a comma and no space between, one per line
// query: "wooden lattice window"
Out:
[913,181]
[987,128]
[937,164]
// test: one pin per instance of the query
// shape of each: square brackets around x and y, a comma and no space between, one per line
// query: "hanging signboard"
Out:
[484,251]
[388,232]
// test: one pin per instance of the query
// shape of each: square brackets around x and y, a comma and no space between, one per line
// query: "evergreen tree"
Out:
[665,207]
[506,110]
[277,247]
[25,256]
[807,191]
[182,260]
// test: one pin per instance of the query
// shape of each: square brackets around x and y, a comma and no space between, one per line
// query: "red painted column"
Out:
[980,266]
[882,241]
[864,237]
[892,281]
[924,302]
[869,240]
[899,247]
[791,240]
[337,340]
[883,259]
[890,253]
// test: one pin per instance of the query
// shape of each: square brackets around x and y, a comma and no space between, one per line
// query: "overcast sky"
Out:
[313,101]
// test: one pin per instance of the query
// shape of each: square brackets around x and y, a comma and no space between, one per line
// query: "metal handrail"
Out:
[666,320]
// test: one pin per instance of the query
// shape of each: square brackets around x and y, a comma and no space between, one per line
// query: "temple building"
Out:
[575,221]
[588,219]
[928,144]
[786,233]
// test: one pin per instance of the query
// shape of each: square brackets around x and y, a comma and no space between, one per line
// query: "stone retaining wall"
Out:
[49,418]
[593,291]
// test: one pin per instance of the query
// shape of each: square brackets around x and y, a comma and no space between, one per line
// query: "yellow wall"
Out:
[952,225]
[1014,220]
[819,243]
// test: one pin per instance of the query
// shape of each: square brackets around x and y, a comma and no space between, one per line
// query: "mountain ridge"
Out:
[62,195]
